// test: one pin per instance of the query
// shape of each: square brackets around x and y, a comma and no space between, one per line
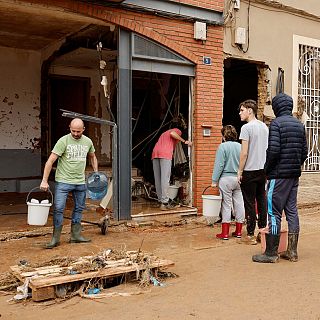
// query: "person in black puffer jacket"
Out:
[287,150]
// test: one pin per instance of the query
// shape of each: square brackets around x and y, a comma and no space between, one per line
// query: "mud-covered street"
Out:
[217,279]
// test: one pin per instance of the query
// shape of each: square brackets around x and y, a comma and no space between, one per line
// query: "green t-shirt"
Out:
[72,158]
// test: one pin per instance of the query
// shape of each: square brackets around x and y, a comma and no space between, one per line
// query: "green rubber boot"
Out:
[271,253]
[55,241]
[76,236]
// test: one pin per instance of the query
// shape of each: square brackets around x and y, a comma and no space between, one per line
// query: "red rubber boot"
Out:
[224,235]
[237,233]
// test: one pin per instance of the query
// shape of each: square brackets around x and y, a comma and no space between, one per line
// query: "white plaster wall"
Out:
[96,92]
[271,36]
[19,98]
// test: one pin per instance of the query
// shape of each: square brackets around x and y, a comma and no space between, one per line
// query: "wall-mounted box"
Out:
[200,30]
[206,130]
[240,35]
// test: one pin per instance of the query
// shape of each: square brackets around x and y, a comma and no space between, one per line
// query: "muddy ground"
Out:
[217,279]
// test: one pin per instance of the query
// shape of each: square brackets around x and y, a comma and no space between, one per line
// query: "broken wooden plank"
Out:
[57,270]
[45,293]
[102,273]
[41,271]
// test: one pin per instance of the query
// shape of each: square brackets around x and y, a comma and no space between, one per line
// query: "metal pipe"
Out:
[115,200]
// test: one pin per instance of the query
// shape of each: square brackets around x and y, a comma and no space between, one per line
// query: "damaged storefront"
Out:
[98,60]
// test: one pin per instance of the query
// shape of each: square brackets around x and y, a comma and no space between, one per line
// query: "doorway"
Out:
[69,93]
[160,102]
[240,83]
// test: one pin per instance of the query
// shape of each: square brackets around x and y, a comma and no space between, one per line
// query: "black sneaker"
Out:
[169,206]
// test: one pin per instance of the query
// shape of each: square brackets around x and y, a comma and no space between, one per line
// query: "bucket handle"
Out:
[48,191]
[207,188]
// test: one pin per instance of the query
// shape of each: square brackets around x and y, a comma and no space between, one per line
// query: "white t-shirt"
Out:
[256,133]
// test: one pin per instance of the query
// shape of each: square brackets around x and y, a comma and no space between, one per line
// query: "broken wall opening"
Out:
[27,127]
[74,74]
[240,83]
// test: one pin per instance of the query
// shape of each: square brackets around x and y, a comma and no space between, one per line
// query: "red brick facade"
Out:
[208,84]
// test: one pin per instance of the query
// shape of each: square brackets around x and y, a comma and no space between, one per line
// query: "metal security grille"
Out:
[151,56]
[309,91]
[149,49]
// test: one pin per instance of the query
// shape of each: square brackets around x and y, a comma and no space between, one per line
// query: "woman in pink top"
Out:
[161,160]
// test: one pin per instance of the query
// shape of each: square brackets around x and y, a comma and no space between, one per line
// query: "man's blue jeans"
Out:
[79,198]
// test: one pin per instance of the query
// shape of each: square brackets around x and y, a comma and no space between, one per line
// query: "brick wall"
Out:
[178,36]
[209,4]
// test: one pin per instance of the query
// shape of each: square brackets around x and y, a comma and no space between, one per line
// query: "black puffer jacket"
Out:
[287,145]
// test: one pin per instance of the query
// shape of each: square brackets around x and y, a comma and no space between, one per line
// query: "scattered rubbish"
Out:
[166,274]
[62,277]
[93,291]
[113,294]
[24,291]
[204,248]
[156,282]
[8,282]
[23,262]
[41,231]
[72,272]
[61,291]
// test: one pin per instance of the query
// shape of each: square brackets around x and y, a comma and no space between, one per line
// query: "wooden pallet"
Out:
[46,279]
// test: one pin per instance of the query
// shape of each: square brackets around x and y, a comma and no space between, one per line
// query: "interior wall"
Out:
[97,108]
[19,90]
[19,113]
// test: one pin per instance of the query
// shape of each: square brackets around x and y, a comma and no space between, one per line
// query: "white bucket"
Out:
[38,212]
[211,205]
[172,192]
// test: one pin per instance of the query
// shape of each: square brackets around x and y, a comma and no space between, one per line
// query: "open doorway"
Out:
[160,102]
[240,83]
[66,92]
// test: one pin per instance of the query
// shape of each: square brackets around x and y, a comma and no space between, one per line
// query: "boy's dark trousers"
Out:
[253,187]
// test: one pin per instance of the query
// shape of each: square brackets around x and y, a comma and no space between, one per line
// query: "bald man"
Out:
[71,151]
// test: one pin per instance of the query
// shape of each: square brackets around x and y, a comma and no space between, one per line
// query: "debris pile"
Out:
[65,277]
[8,282]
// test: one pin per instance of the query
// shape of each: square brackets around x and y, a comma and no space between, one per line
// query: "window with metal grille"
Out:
[309,93]
[147,49]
